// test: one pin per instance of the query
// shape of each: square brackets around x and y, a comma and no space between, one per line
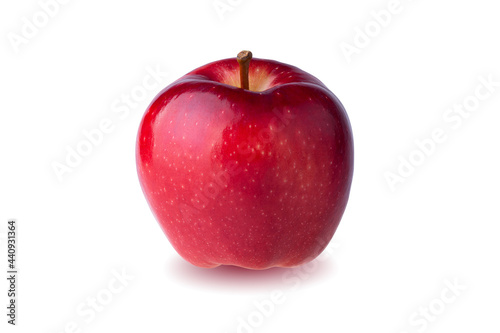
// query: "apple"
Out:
[247,163]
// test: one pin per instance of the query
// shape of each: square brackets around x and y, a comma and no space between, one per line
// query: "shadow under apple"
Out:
[229,278]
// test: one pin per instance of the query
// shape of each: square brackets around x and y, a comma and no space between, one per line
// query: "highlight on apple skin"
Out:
[246,162]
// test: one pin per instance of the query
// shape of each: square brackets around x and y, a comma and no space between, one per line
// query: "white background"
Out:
[394,251]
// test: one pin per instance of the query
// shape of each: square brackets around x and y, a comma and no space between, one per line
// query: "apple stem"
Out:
[244,58]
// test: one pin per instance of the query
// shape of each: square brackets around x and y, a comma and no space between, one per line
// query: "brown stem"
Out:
[244,58]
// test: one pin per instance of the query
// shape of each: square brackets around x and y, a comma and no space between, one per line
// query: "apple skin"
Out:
[253,178]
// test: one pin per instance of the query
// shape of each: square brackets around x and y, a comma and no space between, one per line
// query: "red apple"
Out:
[246,164]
